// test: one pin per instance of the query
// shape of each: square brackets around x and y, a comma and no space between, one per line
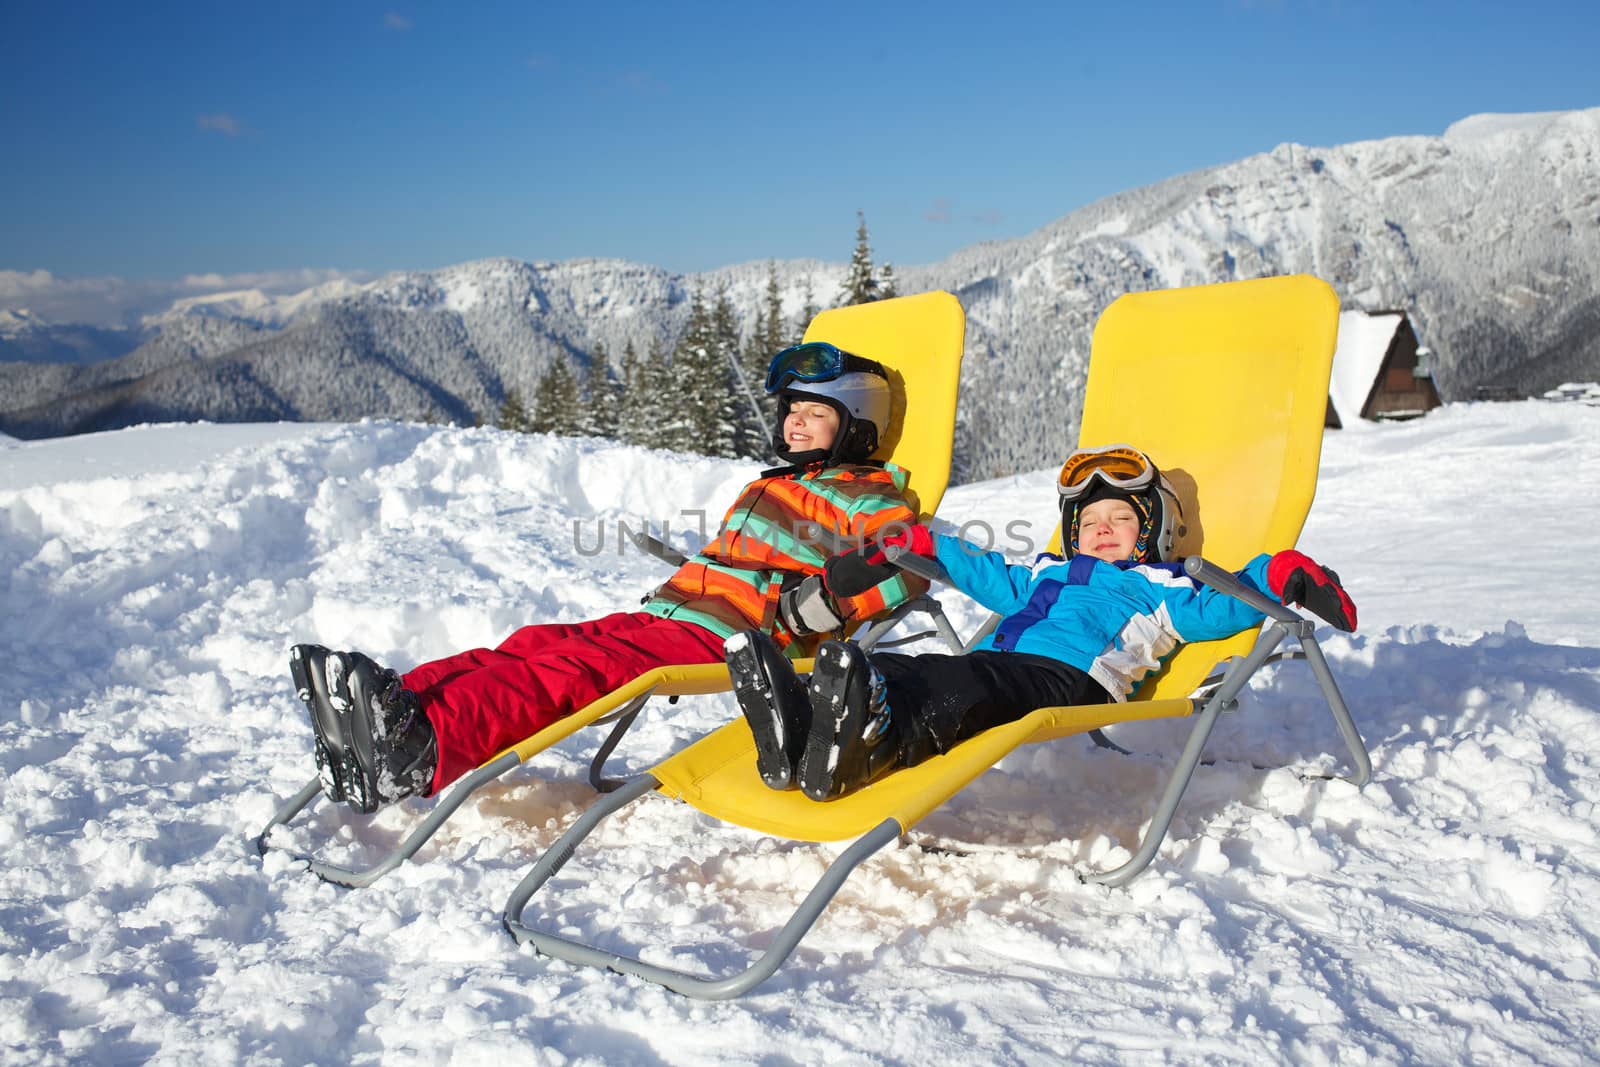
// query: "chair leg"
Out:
[577,952]
[874,633]
[941,622]
[1161,821]
[1341,713]
[355,878]
[1237,678]
[1102,741]
[624,722]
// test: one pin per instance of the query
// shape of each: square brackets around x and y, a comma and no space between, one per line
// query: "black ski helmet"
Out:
[1123,473]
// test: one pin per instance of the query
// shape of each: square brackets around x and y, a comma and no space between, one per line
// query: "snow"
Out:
[13,322]
[1484,127]
[141,450]
[1364,340]
[156,577]
[255,305]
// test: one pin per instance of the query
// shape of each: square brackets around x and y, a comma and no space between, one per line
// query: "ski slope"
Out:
[155,577]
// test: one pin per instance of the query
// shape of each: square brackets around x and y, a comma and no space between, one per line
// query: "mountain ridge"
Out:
[1487,235]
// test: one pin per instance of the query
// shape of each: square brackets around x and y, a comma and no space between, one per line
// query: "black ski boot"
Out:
[318,674]
[374,743]
[774,703]
[391,738]
[853,739]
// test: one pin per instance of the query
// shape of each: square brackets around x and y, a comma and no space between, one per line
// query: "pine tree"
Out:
[513,413]
[601,414]
[861,285]
[634,404]
[886,283]
[770,336]
[738,412]
[756,443]
[701,373]
[808,308]
[775,337]
[555,401]
[669,396]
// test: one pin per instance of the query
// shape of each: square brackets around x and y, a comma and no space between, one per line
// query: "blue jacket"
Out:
[1115,621]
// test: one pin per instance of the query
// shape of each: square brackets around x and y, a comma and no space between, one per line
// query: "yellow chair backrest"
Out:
[1225,387]
[919,339]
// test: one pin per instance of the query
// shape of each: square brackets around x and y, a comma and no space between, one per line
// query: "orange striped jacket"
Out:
[781,527]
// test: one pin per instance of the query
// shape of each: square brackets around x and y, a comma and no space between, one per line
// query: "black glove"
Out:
[808,609]
[853,573]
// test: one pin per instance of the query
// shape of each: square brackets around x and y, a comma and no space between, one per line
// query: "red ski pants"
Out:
[483,701]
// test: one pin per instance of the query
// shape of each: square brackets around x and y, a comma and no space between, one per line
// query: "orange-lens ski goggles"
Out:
[1118,466]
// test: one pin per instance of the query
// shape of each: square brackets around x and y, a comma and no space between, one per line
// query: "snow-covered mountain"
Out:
[1489,236]
[29,338]
[254,304]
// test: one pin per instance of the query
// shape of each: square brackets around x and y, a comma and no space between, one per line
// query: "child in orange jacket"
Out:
[383,736]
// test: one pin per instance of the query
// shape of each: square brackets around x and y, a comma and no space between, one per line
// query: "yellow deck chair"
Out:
[919,339]
[1225,386]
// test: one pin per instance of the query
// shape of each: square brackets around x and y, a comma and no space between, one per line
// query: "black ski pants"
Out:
[938,701]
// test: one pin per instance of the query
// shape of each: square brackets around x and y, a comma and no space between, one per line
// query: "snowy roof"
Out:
[1574,391]
[1364,339]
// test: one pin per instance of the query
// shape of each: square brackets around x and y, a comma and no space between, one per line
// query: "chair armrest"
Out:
[921,566]
[1228,582]
[658,548]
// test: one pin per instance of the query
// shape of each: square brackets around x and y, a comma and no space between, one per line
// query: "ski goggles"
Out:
[1122,467]
[816,361]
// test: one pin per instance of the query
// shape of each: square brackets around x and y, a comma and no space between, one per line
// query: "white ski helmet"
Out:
[857,388]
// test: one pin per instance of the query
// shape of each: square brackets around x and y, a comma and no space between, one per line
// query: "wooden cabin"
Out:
[1379,370]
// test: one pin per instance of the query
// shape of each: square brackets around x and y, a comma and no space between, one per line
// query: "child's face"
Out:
[810,424]
[1108,529]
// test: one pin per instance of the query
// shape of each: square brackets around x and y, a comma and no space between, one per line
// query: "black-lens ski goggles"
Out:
[816,361]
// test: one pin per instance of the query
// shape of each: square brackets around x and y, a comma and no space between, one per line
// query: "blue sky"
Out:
[155,140]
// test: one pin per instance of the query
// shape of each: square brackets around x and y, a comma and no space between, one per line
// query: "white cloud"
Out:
[641,82]
[221,123]
[393,20]
[112,301]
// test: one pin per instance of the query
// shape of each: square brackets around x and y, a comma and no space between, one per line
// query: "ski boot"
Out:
[774,703]
[318,674]
[853,739]
[374,743]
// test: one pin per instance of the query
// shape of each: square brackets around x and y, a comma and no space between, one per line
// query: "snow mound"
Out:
[157,576]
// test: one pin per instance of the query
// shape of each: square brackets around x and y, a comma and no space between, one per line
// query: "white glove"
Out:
[807,609]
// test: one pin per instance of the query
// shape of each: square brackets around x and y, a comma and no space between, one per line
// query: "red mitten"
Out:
[917,537]
[1295,578]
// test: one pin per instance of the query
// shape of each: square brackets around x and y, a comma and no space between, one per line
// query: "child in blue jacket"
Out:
[1082,628]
